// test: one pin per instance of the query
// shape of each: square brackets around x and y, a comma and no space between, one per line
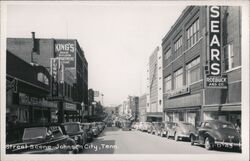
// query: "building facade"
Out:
[143,108]
[186,57]
[68,68]
[155,109]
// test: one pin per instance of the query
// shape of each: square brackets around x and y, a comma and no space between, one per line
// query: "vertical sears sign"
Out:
[215,79]
[66,51]
[55,66]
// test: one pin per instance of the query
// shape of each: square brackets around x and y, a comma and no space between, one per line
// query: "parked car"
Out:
[165,127]
[43,140]
[156,128]
[96,131]
[101,126]
[181,130]
[215,133]
[75,131]
[145,126]
[88,128]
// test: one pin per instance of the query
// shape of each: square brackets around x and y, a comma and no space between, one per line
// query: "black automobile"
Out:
[43,140]
[88,128]
[126,125]
[75,131]
[215,133]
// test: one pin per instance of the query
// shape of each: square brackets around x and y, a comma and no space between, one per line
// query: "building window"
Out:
[193,71]
[167,54]
[167,84]
[178,47]
[228,57]
[193,33]
[178,79]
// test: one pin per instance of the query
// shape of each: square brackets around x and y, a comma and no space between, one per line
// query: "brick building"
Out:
[186,96]
[71,90]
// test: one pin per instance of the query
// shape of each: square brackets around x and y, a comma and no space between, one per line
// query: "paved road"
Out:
[115,141]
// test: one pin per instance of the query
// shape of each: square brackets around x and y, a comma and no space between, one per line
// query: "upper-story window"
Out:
[177,47]
[167,54]
[167,84]
[178,79]
[193,71]
[228,57]
[193,33]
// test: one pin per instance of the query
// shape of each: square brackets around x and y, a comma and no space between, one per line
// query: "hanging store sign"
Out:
[66,51]
[214,78]
[55,66]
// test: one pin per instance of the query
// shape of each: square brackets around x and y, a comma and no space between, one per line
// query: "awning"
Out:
[225,107]
[179,109]
[154,114]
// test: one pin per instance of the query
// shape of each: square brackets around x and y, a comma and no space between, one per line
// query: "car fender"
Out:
[208,134]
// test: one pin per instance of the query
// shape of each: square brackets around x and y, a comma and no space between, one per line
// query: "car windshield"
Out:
[33,133]
[85,126]
[71,128]
[187,125]
[222,125]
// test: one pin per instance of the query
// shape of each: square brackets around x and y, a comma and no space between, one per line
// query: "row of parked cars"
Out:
[69,137]
[211,133]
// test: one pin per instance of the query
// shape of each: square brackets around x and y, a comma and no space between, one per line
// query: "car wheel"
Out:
[208,143]
[167,136]
[176,137]
[192,139]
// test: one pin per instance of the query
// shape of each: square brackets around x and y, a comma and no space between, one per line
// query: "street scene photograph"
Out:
[93,78]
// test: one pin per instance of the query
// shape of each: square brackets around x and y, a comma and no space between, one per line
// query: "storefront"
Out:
[154,116]
[70,112]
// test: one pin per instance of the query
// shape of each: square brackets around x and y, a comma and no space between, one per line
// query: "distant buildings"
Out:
[130,108]
[50,78]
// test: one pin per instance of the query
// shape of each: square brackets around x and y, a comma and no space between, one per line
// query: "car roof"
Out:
[217,121]
[69,123]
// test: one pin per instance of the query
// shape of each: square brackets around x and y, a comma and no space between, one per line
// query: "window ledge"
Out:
[233,69]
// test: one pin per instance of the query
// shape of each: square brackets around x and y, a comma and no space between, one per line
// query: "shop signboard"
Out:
[70,106]
[66,51]
[25,99]
[214,78]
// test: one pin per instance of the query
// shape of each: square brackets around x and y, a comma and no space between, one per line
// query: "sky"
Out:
[117,37]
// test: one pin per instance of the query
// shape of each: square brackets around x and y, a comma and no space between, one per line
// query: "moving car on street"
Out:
[75,131]
[181,130]
[215,133]
[43,140]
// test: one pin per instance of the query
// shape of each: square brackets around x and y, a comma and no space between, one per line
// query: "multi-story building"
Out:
[155,109]
[69,83]
[143,108]
[187,61]
[91,101]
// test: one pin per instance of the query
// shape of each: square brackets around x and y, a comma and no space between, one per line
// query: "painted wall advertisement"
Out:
[65,50]
[214,78]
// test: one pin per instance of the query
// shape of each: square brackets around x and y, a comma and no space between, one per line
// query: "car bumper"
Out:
[183,135]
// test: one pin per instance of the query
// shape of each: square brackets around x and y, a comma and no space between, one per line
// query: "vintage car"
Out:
[43,140]
[88,129]
[145,126]
[181,130]
[215,133]
[96,131]
[101,125]
[156,127]
[165,127]
[74,130]
[126,125]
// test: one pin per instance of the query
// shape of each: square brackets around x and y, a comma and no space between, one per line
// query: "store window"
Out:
[178,79]
[228,57]
[167,84]
[178,47]
[167,54]
[193,71]
[193,33]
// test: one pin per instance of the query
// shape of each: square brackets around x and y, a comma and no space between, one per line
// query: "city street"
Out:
[115,141]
